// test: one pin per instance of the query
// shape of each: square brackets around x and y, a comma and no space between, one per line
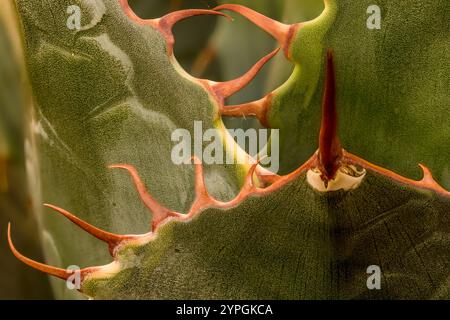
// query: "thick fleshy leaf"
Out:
[392,85]
[107,93]
[296,243]
[296,238]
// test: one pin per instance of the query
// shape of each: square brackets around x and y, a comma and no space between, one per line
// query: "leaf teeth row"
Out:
[327,160]
[426,183]
[221,90]
[160,215]
[202,202]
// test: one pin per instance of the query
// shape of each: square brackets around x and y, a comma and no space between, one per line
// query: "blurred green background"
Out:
[206,46]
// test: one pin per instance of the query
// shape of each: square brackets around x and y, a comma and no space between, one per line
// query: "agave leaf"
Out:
[392,85]
[309,234]
[107,93]
[295,243]
[314,234]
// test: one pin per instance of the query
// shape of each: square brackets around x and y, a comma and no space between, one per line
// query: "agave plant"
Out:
[108,95]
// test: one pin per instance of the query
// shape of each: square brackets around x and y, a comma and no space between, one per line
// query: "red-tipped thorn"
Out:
[266,177]
[283,33]
[258,109]
[203,199]
[429,182]
[249,184]
[160,213]
[200,185]
[166,23]
[113,240]
[57,272]
[226,89]
[330,150]
[129,12]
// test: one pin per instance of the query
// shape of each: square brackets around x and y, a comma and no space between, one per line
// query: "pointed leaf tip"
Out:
[226,89]
[330,150]
[283,33]
[57,272]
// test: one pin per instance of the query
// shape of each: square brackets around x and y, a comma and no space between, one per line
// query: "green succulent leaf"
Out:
[392,85]
[112,93]
[295,243]
[107,93]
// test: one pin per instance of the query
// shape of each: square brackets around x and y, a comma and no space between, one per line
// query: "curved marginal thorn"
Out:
[200,186]
[427,182]
[249,182]
[427,175]
[281,181]
[283,33]
[160,213]
[330,150]
[169,20]
[166,23]
[226,89]
[266,177]
[248,189]
[111,239]
[202,198]
[129,12]
[57,272]
[258,108]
